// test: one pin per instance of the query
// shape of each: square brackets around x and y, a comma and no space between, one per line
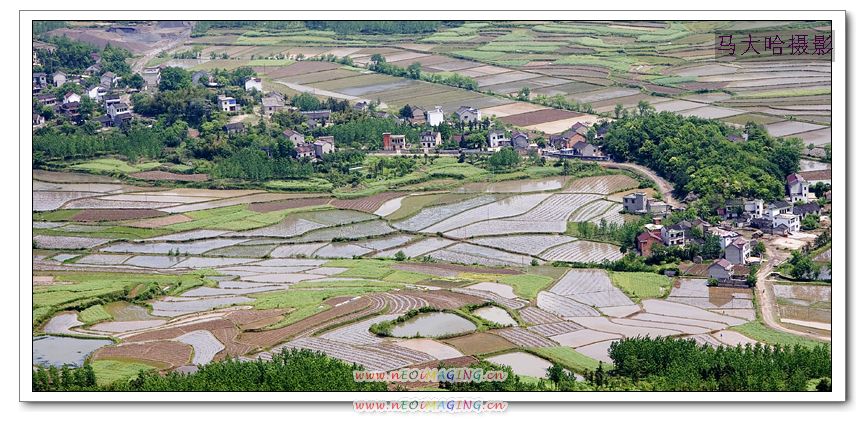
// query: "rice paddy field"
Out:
[147,275]
[669,64]
[247,272]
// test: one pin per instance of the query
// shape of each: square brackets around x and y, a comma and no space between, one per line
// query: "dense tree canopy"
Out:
[696,156]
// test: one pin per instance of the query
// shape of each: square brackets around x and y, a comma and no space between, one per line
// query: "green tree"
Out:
[504,159]
[810,222]
[414,70]
[174,78]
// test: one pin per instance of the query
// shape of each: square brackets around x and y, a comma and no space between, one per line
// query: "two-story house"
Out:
[227,104]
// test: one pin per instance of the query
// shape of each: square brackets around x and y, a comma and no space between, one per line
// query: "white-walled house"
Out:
[797,188]
[254,83]
[71,97]
[435,117]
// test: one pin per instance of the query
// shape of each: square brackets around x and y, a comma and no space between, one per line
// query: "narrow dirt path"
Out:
[666,187]
[766,295]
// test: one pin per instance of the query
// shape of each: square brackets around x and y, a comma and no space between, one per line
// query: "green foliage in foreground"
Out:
[669,364]
[290,370]
[94,314]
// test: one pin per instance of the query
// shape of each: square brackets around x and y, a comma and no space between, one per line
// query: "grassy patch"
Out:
[642,285]
[757,331]
[113,165]
[781,93]
[305,185]
[56,215]
[94,314]
[569,358]
[84,290]
[527,285]
[110,371]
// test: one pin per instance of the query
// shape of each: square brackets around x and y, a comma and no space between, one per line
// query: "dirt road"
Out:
[164,45]
[666,187]
[766,295]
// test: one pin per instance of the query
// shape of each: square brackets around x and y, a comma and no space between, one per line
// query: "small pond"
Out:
[433,324]
[59,351]
[495,314]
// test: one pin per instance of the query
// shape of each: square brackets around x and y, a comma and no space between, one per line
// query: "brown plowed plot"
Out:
[271,337]
[535,315]
[164,175]
[224,330]
[107,214]
[368,204]
[443,299]
[480,343]
[160,221]
[251,319]
[166,354]
[538,117]
[287,204]
[603,185]
[69,177]
[303,67]
[524,338]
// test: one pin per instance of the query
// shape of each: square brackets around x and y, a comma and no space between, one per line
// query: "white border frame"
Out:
[839,149]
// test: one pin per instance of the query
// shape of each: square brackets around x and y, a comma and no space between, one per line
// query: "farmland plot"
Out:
[490,253]
[499,289]
[562,306]
[514,186]
[358,333]
[337,217]
[663,307]
[204,345]
[612,214]
[555,328]
[63,323]
[529,244]
[103,259]
[533,315]
[591,287]
[189,235]
[169,354]
[421,247]
[431,347]
[209,262]
[507,207]
[373,359]
[583,337]
[582,251]
[49,201]
[605,325]
[154,261]
[500,227]
[386,243]
[174,306]
[557,207]
[603,185]
[523,338]
[510,303]
[432,215]
[787,128]
[195,247]
[597,351]
[213,291]
[126,326]
[341,250]
[250,251]
[67,242]
[349,231]
[288,227]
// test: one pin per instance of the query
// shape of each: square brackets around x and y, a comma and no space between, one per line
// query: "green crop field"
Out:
[642,285]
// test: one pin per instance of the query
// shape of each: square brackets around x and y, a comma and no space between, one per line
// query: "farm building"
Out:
[71,97]
[293,136]
[59,78]
[435,117]
[316,117]
[323,145]
[394,142]
[253,84]
[430,139]
[152,76]
[646,240]
[227,104]
[468,114]
[498,139]
[272,103]
[738,251]
[233,128]
[797,188]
